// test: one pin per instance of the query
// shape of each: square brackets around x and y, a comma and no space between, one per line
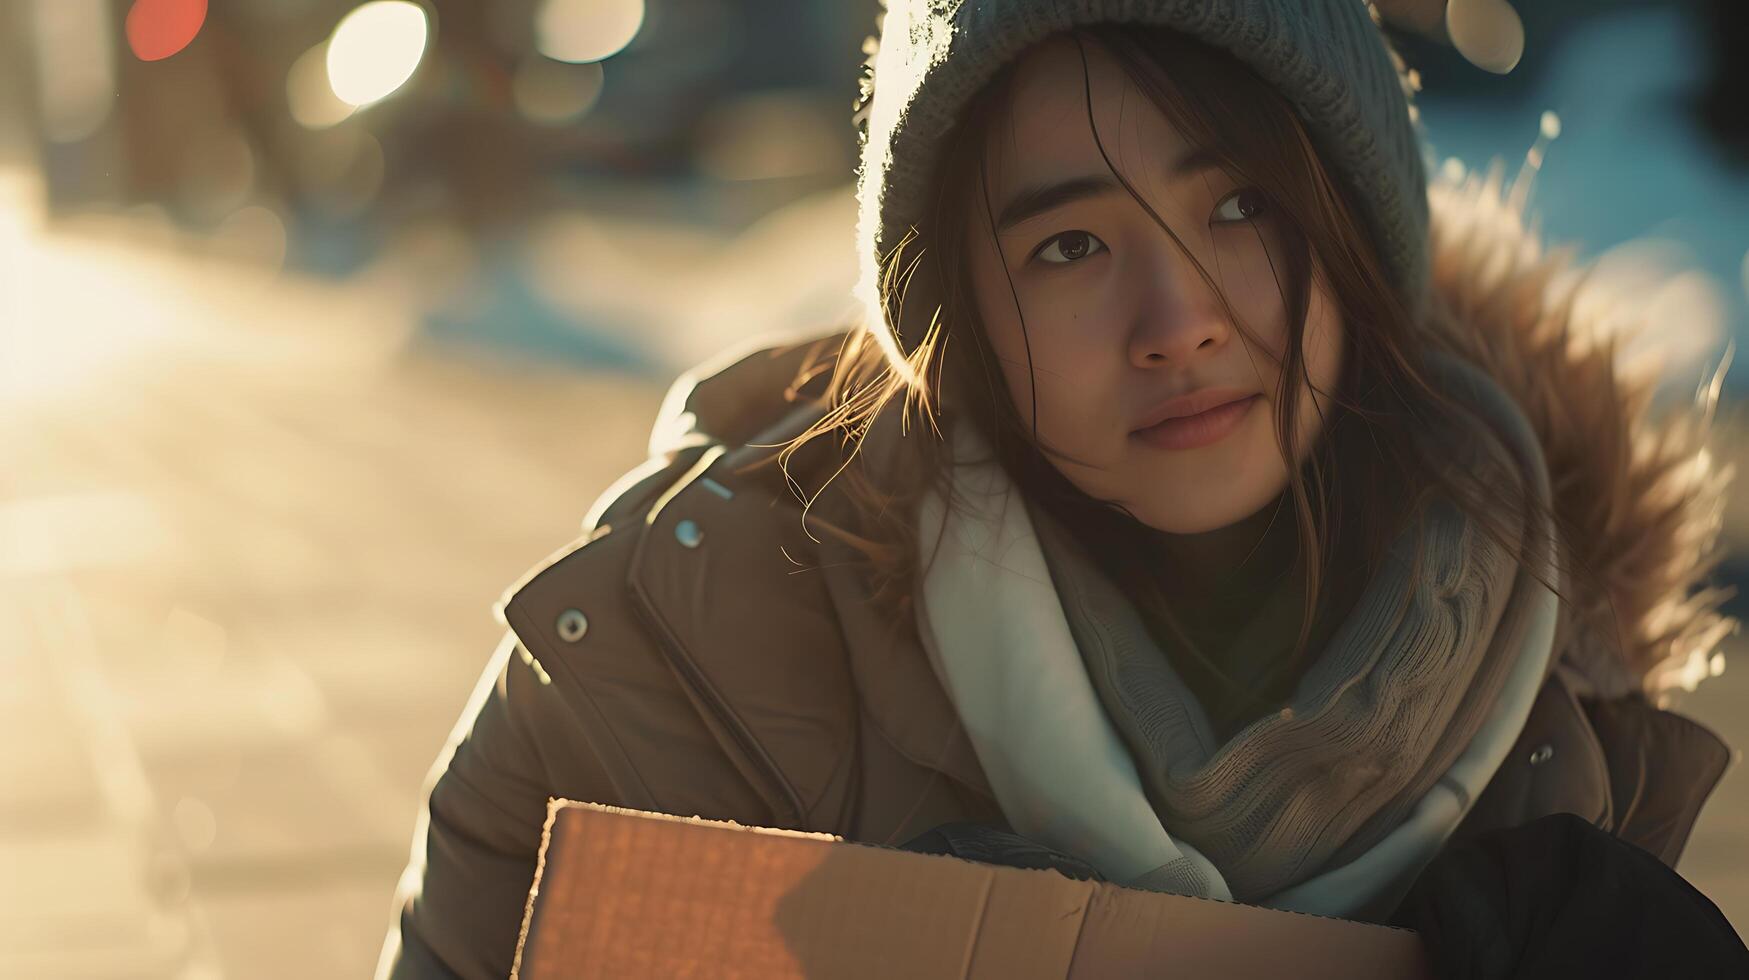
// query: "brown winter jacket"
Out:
[697,652]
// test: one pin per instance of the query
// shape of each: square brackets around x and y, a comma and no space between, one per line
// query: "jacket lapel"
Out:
[772,653]
[751,645]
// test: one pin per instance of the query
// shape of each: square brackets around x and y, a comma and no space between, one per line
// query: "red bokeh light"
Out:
[157,29]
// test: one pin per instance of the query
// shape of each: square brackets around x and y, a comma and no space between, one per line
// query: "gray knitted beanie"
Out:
[1327,57]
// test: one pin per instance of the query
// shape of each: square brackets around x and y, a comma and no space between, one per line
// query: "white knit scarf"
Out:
[998,636]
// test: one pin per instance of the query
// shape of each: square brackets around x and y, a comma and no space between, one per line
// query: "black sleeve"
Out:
[1557,897]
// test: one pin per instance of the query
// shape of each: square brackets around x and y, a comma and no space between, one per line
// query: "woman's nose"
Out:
[1176,313]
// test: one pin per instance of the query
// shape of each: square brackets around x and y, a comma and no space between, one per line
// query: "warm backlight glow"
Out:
[375,49]
[307,92]
[157,29]
[587,30]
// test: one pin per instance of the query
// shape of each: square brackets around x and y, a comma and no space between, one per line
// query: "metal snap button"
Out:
[572,625]
[1543,753]
[689,534]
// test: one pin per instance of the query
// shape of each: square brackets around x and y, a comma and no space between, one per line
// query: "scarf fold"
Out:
[1094,745]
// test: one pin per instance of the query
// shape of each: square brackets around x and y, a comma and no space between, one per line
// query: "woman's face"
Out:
[1140,378]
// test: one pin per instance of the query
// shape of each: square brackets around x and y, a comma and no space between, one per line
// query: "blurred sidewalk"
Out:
[250,531]
[249,540]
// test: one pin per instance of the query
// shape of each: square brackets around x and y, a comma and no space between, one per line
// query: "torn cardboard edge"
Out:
[627,893]
[557,804]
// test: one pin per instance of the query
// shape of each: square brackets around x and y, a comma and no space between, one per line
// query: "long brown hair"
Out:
[1373,457]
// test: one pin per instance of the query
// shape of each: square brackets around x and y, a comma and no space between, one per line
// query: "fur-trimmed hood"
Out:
[1642,494]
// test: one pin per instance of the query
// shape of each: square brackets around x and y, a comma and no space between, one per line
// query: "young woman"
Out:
[1191,510]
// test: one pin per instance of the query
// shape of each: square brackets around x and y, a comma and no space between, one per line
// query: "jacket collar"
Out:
[788,747]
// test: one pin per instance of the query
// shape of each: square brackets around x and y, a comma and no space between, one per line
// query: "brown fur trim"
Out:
[1642,494]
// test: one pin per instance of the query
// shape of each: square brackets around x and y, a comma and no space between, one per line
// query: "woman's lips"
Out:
[1201,429]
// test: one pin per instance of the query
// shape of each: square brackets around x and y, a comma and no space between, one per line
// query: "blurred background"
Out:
[321,321]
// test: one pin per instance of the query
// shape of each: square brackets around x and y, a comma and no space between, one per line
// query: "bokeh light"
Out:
[1549,125]
[220,174]
[554,93]
[157,29]
[1489,33]
[587,30]
[309,95]
[75,71]
[375,49]
[254,234]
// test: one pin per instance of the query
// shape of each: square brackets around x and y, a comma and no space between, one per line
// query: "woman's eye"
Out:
[1241,205]
[1070,246]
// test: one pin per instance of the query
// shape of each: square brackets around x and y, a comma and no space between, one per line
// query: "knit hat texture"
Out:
[1327,57]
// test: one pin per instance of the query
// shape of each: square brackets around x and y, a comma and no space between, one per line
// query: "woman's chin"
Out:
[1197,506]
[1192,520]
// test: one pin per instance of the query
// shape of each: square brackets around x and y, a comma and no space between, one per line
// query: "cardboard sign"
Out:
[623,893]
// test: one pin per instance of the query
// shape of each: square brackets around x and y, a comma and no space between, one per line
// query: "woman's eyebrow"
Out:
[1034,201]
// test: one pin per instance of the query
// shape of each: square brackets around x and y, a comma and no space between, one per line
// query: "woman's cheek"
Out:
[1052,363]
[1066,369]
[1326,342]
[1011,351]
[1325,349]
[1261,309]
